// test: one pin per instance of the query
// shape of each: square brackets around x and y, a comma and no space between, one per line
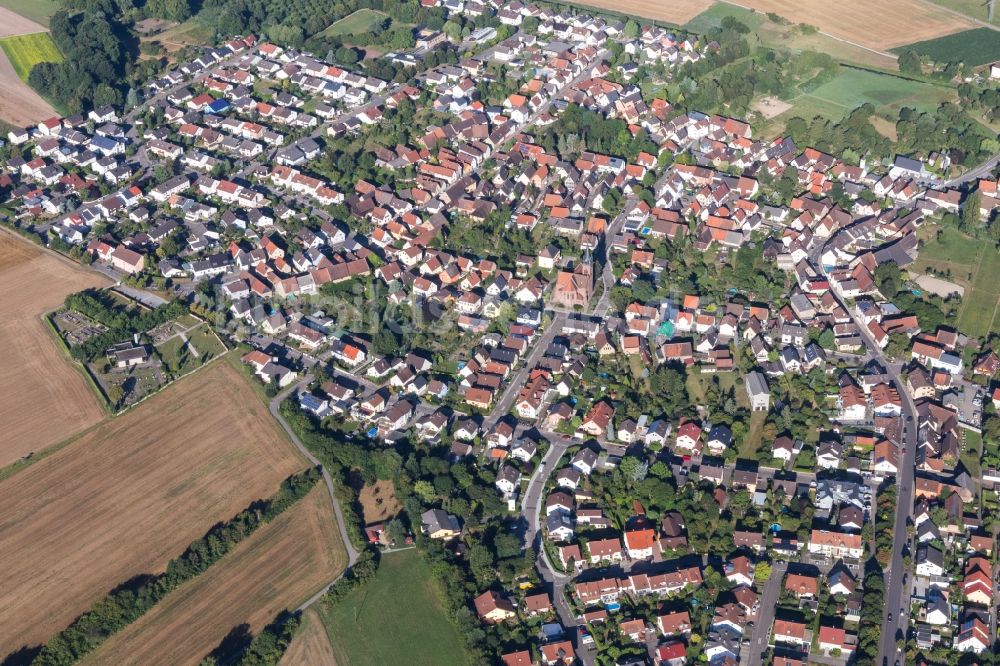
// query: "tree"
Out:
[481,564]
[385,342]
[762,573]
[970,213]
[888,278]
[115,394]
[424,490]
[396,531]
[909,62]
[633,469]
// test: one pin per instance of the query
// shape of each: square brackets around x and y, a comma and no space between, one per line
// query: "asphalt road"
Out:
[506,401]
[896,594]
[531,509]
[765,616]
[981,171]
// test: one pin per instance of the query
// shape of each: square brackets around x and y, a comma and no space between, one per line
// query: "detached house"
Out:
[492,607]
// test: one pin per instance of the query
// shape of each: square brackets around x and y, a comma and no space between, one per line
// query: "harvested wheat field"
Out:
[130,494]
[878,25]
[278,567]
[20,105]
[13,24]
[311,647]
[677,12]
[43,398]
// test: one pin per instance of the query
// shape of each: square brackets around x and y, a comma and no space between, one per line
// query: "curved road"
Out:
[352,553]
[531,508]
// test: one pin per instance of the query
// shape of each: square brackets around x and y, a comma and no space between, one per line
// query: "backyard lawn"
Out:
[395,619]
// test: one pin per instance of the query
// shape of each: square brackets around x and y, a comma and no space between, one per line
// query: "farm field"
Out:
[18,17]
[363,20]
[39,11]
[972,8]
[876,25]
[19,104]
[311,647]
[677,12]
[789,36]
[26,51]
[43,398]
[278,567]
[971,264]
[973,47]
[128,495]
[395,619]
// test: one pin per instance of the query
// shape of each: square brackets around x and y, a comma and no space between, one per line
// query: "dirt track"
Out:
[129,495]
[43,399]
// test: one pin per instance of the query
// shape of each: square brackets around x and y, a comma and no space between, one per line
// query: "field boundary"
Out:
[81,367]
[122,607]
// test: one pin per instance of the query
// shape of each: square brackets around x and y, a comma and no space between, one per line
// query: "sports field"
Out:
[853,87]
[395,619]
[973,47]
[43,398]
[363,20]
[278,567]
[130,494]
[972,264]
[26,51]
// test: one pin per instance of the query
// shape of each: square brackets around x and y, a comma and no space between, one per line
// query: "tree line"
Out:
[130,601]
[265,649]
